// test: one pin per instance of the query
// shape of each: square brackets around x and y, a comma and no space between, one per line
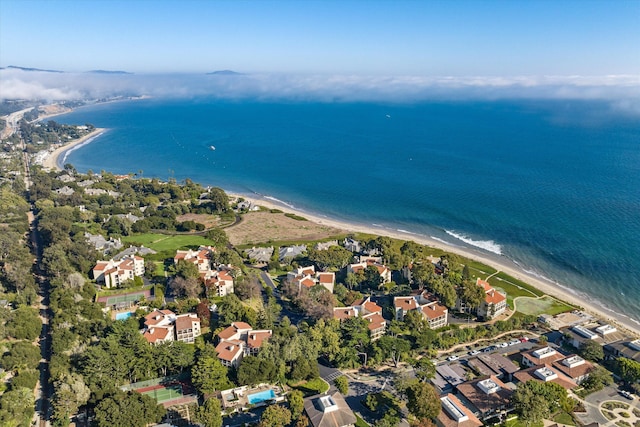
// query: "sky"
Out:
[332,37]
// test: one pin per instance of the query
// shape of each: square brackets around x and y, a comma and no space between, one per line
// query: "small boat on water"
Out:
[212,148]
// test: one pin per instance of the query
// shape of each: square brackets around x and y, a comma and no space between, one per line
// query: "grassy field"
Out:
[312,387]
[548,305]
[360,422]
[164,242]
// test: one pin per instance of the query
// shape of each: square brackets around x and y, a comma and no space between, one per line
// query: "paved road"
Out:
[12,120]
[293,316]
[594,400]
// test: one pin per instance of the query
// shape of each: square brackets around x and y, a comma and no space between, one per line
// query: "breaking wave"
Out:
[487,245]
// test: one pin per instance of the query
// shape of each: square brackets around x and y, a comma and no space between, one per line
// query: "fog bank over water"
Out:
[622,90]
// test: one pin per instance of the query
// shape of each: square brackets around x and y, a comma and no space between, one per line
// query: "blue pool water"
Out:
[261,396]
[124,316]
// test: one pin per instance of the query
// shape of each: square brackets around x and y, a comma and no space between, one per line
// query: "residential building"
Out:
[323,246]
[486,397]
[574,367]
[290,252]
[259,255]
[494,364]
[239,340]
[435,314]
[431,310]
[494,304]
[624,348]
[455,414]
[352,245]
[159,326]
[344,313]
[545,373]
[369,311]
[384,271]
[187,327]
[230,352]
[540,356]
[101,244]
[201,258]
[366,306]
[218,283]
[377,325]
[448,377]
[309,277]
[329,410]
[255,338]
[114,273]
[403,305]
[577,335]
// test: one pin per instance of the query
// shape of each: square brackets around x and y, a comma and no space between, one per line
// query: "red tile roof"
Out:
[157,333]
[375,321]
[256,338]
[372,307]
[186,321]
[344,313]
[487,287]
[229,350]
[326,277]
[494,297]
[233,329]
[405,303]
[433,311]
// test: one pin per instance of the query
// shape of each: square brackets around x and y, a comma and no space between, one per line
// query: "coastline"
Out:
[52,160]
[548,287]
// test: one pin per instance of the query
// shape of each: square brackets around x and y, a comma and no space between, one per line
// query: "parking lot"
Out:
[508,346]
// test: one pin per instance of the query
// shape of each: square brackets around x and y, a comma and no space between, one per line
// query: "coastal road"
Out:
[12,121]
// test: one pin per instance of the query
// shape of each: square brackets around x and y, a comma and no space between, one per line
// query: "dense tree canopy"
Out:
[129,409]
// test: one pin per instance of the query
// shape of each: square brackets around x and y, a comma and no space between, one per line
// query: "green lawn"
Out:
[312,387]
[564,418]
[545,305]
[515,422]
[478,269]
[514,287]
[164,242]
[360,422]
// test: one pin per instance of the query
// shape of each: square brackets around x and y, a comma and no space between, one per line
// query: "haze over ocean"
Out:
[553,185]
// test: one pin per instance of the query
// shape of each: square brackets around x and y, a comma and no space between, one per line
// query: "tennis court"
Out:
[167,391]
[125,298]
[163,393]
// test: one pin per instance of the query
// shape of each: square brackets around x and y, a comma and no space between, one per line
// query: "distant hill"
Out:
[33,69]
[108,72]
[224,73]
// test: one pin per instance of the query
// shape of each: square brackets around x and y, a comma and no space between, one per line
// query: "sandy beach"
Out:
[51,161]
[547,287]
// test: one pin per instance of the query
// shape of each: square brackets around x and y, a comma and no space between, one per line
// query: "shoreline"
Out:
[548,287]
[51,162]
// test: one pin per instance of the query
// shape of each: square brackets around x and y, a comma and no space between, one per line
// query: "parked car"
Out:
[503,344]
[514,342]
[452,358]
[524,339]
[626,394]
[474,353]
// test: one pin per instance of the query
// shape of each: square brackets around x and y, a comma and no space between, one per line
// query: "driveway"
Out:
[594,400]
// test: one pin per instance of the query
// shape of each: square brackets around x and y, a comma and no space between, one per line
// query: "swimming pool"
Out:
[261,396]
[124,316]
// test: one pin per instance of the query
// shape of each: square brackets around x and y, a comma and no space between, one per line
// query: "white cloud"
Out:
[14,83]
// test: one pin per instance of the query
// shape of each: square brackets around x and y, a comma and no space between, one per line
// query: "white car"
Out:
[503,344]
[452,358]
[514,342]
[474,352]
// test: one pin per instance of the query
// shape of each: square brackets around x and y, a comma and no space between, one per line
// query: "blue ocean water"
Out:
[553,186]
